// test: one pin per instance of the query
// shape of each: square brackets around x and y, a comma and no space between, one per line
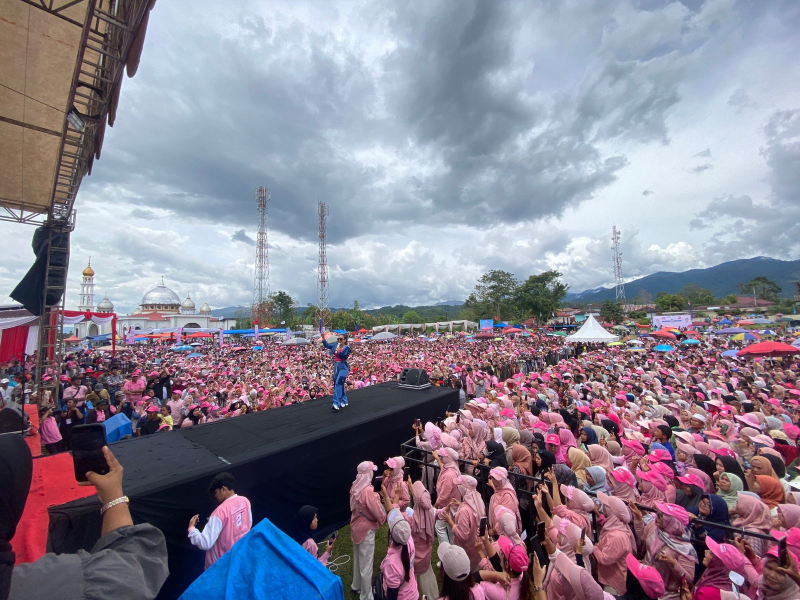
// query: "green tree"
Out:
[541,295]
[697,295]
[730,299]
[762,287]
[612,312]
[342,319]
[283,308]
[670,302]
[493,295]
[411,316]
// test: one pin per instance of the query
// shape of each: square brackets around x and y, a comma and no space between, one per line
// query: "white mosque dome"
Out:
[105,305]
[205,309]
[161,295]
[188,304]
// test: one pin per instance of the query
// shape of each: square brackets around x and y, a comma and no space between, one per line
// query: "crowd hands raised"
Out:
[604,476]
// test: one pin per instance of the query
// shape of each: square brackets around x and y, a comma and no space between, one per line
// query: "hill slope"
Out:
[720,279]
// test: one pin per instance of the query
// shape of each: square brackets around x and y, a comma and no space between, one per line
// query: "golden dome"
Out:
[88,271]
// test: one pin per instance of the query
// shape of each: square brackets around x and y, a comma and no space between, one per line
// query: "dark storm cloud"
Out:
[240,235]
[771,226]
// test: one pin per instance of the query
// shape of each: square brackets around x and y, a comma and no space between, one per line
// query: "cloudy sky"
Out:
[448,138]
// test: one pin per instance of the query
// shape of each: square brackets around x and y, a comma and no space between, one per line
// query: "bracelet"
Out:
[113,503]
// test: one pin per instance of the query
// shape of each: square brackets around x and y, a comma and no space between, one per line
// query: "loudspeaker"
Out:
[13,419]
[415,379]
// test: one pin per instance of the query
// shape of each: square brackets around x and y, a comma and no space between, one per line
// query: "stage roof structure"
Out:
[61,65]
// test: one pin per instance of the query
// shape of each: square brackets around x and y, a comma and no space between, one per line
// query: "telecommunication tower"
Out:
[323,312]
[261,309]
[617,256]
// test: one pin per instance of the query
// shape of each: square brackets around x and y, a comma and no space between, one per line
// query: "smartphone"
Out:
[458,417]
[583,534]
[334,534]
[540,531]
[482,527]
[783,557]
[416,421]
[87,450]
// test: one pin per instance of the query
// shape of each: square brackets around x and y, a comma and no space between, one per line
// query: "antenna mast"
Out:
[617,256]
[261,308]
[323,312]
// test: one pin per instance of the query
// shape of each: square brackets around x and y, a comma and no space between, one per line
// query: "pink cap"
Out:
[724,452]
[663,470]
[659,455]
[152,409]
[515,554]
[552,438]
[727,553]
[674,511]
[791,431]
[205,405]
[649,578]
[136,372]
[692,479]
[634,445]
[654,477]
[623,475]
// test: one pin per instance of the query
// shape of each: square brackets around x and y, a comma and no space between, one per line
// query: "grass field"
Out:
[344,547]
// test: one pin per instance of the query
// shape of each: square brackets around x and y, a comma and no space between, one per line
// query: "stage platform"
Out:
[282,459]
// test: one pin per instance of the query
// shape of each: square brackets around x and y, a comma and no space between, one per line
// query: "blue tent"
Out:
[690,342]
[730,353]
[725,322]
[663,348]
[263,565]
[496,325]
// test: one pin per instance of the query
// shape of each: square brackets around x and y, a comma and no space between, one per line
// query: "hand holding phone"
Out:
[88,442]
[482,527]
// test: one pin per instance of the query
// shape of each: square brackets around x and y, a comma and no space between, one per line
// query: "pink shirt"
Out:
[367,515]
[465,532]
[394,574]
[446,488]
[313,550]
[49,431]
[610,552]
[229,522]
[134,391]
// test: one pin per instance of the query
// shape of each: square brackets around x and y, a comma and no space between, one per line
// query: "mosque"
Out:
[160,308]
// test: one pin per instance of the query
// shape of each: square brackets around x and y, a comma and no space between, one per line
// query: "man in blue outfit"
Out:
[340,352]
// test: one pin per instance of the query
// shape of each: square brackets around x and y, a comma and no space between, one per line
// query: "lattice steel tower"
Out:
[261,309]
[323,312]
[617,256]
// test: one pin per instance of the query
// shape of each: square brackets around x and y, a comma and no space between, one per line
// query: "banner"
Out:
[178,336]
[288,333]
[485,324]
[678,321]
[255,331]
[220,339]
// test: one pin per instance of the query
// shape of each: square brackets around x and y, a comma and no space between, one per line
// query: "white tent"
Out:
[591,331]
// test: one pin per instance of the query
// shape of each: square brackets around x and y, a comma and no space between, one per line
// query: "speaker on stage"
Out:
[415,379]
[12,419]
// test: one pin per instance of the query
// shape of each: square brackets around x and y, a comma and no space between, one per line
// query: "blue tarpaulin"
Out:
[266,564]
[116,427]
[251,330]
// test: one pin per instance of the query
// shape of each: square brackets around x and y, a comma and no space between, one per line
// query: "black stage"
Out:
[282,459]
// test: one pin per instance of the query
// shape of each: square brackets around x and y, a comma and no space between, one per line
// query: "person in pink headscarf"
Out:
[614,543]
[468,513]
[422,531]
[667,545]
[394,482]
[446,489]
[553,443]
[366,516]
[653,487]
[600,457]
[567,581]
[504,495]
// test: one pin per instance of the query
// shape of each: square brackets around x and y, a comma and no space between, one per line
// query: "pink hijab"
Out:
[601,457]
[752,513]
[424,513]
[470,495]
[618,516]
[362,482]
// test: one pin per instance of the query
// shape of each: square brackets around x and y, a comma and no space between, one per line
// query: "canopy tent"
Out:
[18,336]
[591,331]
[71,317]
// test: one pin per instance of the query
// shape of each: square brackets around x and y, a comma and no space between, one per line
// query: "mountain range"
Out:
[721,279]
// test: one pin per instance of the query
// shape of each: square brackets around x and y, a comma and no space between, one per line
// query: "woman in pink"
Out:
[653,487]
[395,481]
[48,430]
[468,514]
[752,514]
[366,515]
[600,457]
[398,566]
[504,495]
[134,387]
[446,488]
[303,526]
[614,543]
[578,509]
[422,522]
[667,545]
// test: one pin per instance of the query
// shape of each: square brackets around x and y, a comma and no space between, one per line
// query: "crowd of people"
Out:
[599,472]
